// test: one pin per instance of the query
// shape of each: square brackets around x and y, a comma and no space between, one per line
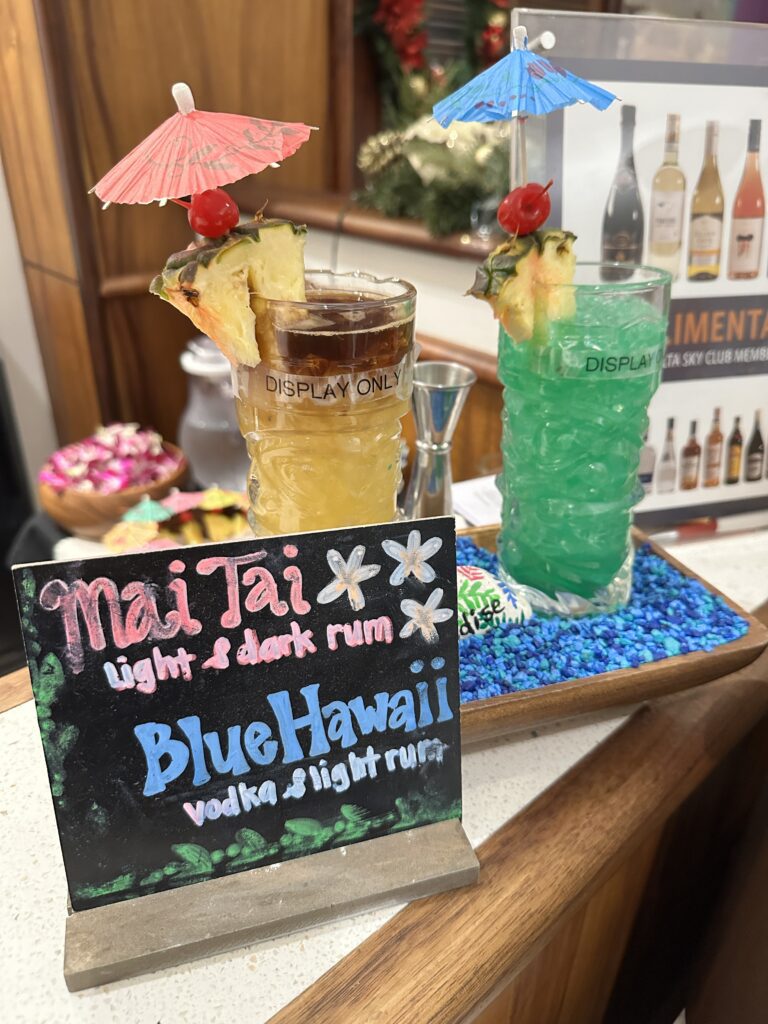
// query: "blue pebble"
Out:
[668,614]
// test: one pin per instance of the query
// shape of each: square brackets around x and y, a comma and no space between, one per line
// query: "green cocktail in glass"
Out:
[576,395]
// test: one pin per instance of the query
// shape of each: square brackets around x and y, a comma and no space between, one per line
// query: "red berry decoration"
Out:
[525,208]
[213,213]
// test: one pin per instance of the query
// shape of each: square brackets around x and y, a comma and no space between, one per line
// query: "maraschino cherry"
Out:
[213,213]
[525,208]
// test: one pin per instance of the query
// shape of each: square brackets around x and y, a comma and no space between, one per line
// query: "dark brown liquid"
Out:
[320,464]
[332,336]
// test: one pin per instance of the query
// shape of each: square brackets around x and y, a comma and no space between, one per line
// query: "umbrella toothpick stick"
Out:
[518,155]
[185,102]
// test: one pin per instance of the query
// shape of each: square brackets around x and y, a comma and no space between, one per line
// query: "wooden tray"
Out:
[499,716]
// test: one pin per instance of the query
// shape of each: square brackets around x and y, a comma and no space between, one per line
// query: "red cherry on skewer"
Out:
[525,208]
[213,213]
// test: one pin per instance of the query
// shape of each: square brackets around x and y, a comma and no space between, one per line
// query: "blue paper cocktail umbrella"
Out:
[520,85]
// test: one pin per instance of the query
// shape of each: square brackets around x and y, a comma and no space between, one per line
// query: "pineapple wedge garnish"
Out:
[520,278]
[221,285]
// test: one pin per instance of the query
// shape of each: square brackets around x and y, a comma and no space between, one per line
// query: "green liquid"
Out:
[574,417]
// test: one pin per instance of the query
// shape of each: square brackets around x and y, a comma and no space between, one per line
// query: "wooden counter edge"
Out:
[15,689]
[441,960]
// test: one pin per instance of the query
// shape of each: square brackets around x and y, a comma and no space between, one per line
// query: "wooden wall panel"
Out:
[536,995]
[40,208]
[146,337]
[605,926]
[693,866]
[477,446]
[60,322]
[570,980]
[28,148]
[730,983]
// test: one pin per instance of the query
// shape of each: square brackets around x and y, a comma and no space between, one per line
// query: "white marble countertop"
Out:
[735,563]
[499,781]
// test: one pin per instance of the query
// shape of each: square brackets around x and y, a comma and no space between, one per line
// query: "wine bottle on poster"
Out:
[755,452]
[705,237]
[748,218]
[690,461]
[667,471]
[667,201]
[647,465]
[713,453]
[733,460]
[623,223]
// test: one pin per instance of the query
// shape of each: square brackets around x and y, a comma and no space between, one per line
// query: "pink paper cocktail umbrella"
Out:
[178,502]
[197,150]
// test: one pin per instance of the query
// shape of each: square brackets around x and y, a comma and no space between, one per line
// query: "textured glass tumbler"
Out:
[321,412]
[575,411]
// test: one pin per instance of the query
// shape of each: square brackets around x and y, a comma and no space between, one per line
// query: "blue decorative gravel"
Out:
[669,614]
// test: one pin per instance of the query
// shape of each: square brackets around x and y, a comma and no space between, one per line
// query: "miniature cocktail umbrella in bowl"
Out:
[147,511]
[520,85]
[130,536]
[194,152]
[179,502]
[216,498]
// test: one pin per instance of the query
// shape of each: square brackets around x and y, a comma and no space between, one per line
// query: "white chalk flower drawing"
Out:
[412,559]
[348,575]
[425,616]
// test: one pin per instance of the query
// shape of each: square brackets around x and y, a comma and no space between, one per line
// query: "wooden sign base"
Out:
[169,928]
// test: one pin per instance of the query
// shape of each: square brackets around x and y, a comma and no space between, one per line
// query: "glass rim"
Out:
[468,375]
[654,277]
[403,291]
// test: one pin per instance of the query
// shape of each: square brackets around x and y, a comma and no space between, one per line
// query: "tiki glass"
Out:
[321,412]
[575,411]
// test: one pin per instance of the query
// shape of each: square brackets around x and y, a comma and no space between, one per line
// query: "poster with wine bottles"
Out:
[674,176]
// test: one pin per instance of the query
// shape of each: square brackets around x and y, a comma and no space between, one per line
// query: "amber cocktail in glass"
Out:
[321,412]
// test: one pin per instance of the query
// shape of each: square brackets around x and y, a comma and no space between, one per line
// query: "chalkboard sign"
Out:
[209,710]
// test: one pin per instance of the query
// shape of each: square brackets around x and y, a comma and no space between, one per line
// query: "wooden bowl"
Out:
[90,515]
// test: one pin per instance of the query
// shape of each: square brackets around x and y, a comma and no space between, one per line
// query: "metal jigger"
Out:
[439,392]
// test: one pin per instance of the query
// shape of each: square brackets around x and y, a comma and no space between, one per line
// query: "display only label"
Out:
[717,337]
[602,365]
[221,708]
[344,388]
